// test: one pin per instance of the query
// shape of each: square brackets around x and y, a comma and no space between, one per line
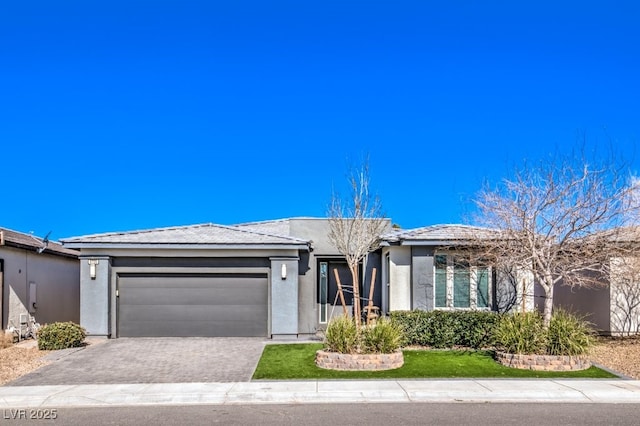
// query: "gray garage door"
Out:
[192,305]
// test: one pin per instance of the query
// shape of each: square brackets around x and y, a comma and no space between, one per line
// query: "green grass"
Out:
[297,361]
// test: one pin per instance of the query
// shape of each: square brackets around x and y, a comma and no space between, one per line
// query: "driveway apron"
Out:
[153,360]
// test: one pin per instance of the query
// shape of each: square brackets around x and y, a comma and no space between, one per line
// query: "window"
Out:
[459,284]
[441,281]
[482,287]
[323,288]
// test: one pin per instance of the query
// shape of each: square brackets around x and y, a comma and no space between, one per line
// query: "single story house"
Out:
[38,278]
[273,278]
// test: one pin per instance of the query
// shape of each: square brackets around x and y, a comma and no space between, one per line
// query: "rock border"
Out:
[543,362]
[359,362]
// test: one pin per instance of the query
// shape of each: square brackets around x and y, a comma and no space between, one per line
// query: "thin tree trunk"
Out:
[356,296]
[548,307]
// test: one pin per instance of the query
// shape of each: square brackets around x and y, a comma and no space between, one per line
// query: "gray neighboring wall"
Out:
[33,267]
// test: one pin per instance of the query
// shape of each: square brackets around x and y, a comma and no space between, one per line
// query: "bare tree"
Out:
[559,221]
[625,296]
[355,226]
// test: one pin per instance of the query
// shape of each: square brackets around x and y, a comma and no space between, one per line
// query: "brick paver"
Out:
[153,360]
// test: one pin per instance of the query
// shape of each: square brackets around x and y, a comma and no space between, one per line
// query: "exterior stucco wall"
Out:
[422,276]
[399,277]
[591,303]
[95,296]
[624,292]
[57,284]
[514,292]
[317,231]
[98,296]
[284,297]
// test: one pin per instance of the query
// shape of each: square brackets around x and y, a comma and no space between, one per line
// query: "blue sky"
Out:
[126,115]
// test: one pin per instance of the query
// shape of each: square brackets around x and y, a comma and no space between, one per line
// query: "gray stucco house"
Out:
[272,278]
[39,278]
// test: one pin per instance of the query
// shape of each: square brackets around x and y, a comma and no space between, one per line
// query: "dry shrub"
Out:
[6,340]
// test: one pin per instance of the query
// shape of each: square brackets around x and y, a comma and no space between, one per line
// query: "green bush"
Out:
[342,336]
[525,334]
[522,333]
[569,334]
[60,335]
[383,337]
[447,329]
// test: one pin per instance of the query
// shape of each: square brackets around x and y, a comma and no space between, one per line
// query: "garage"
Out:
[200,305]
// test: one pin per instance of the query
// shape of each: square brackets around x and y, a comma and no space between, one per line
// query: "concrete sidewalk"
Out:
[322,391]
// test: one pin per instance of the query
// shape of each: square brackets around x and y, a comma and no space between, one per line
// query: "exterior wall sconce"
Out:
[92,268]
[283,271]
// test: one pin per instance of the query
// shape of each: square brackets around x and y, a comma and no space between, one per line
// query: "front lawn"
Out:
[297,361]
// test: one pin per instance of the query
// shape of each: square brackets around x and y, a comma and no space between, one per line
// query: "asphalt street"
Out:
[346,414]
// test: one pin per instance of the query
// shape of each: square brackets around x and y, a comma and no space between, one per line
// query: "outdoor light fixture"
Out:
[92,268]
[283,271]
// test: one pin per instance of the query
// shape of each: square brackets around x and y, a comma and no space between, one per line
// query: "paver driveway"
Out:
[153,360]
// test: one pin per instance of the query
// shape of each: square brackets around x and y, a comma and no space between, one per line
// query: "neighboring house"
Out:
[614,307]
[38,277]
[273,278]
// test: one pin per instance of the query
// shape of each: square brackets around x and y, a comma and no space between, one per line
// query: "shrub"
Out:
[568,334]
[6,339]
[341,335]
[383,337]
[447,329]
[60,335]
[522,333]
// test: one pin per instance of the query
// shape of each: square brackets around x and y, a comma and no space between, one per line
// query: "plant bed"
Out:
[358,362]
[544,362]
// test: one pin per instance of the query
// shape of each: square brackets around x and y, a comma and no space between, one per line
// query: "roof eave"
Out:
[437,242]
[197,246]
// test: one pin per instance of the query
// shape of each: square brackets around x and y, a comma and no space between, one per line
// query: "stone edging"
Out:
[544,362]
[358,362]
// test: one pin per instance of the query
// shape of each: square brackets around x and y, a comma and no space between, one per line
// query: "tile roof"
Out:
[202,234]
[440,233]
[275,227]
[17,239]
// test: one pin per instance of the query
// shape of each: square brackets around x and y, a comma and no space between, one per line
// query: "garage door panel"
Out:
[194,328]
[192,306]
[193,313]
[193,296]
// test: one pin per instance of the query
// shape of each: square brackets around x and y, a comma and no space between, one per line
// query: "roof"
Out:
[275,227]
[437,234]
[202,234]
[21,240]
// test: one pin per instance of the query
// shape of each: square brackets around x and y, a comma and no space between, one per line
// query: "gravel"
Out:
[621,355]
[17,361]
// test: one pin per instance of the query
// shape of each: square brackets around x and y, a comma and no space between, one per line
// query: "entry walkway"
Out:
[307,392]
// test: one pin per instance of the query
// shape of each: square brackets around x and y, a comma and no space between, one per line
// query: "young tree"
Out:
[355,226]
[560,221]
